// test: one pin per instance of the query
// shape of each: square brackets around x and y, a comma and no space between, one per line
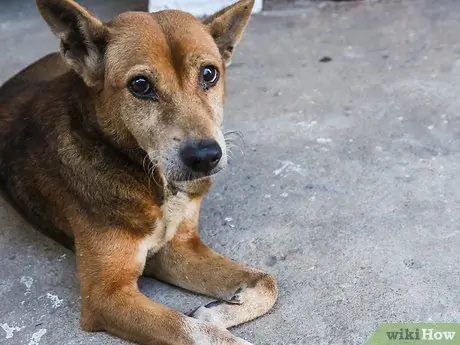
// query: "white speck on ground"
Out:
[10,330]
[27,281]
[37,336]
[228,219]
[323,140]
[288,166]
[307,125]
[284,195]
[56,302]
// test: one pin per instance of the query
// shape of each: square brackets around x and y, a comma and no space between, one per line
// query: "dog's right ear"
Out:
[83,37]
[227,27]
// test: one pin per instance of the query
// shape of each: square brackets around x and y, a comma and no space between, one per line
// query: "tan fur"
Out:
[98,168]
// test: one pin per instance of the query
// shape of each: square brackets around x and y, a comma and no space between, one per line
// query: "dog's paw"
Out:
[234,296]
[237,297]
[211,311]
[209,314]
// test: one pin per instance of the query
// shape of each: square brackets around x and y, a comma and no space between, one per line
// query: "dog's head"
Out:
[158,79]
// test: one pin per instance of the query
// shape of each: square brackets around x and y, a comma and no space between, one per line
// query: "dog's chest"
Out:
[176,209]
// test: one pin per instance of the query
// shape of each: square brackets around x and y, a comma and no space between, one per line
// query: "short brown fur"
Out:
[97,168]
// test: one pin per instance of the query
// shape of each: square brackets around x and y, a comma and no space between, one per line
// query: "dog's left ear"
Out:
[227,27]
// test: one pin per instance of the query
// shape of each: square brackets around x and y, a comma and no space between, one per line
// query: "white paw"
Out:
[208,315]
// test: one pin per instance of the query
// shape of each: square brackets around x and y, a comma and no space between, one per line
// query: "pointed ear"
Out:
[83,37]
[227,26]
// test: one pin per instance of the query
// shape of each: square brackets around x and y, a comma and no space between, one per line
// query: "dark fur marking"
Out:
[50,157]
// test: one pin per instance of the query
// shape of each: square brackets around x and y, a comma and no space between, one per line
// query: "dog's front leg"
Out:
[244,293]
[109,263]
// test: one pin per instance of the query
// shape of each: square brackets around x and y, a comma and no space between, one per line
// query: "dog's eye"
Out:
[209,76]
[140,87]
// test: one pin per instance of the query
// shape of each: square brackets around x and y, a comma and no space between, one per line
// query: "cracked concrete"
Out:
[348,189]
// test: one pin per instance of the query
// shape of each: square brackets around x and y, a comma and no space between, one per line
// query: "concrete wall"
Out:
[197,7]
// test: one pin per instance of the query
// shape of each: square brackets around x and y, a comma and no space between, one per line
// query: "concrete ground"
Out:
[348,190]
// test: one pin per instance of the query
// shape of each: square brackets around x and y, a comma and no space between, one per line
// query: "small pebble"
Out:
[325,59]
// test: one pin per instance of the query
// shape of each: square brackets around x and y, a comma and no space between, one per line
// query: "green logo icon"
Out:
[416,334]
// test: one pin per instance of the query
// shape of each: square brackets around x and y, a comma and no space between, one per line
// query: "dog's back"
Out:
[24,139]
[47,68]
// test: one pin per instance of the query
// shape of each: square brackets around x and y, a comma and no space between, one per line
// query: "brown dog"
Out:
[109,148]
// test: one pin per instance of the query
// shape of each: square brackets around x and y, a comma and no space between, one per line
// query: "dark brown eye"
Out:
[141,87]
[209,76]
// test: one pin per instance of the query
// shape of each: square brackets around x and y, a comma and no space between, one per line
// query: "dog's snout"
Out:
[201,155]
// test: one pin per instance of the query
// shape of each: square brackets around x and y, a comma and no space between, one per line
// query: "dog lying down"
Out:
[109,148]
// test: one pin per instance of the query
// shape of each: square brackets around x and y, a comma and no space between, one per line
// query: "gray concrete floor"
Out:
[348,191]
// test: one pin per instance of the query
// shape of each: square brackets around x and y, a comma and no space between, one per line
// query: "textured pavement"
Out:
[348,190]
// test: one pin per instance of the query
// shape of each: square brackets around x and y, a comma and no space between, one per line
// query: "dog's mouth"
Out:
[187,175]
[191,182]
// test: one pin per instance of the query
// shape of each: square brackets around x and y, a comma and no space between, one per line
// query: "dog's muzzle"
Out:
[201,156]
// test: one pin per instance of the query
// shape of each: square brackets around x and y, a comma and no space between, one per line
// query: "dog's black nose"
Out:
[201,155]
